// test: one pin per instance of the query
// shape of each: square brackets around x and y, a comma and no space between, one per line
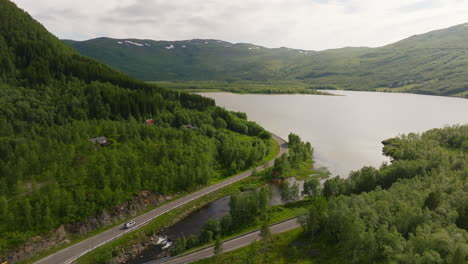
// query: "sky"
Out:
[300,24]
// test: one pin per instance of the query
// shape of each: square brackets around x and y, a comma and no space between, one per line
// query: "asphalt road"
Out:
[228,245]
[71,253]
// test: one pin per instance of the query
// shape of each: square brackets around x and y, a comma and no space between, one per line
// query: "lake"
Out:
[346,131]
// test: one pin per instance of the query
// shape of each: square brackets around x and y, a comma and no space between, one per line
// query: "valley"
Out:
[131,150]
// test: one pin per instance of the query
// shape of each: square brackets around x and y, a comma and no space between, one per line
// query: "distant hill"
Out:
[431,63]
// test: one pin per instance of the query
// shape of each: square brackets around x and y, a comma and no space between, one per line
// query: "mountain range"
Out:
[432,63]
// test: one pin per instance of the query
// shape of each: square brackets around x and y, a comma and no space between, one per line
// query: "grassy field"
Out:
[279,251]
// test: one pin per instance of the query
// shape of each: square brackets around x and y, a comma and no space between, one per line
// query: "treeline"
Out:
[54,101]
[411,156]
[414,210]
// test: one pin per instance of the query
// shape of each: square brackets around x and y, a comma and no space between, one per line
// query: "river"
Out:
[193,223]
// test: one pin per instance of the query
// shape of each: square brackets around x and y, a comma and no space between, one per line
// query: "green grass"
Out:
[401,89]
[274,150]
[285,248]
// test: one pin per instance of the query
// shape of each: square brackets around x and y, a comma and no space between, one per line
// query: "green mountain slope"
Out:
[431,63]
[53,101]
[189,60]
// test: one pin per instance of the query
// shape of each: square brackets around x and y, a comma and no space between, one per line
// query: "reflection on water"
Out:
[193,223]
[275,188]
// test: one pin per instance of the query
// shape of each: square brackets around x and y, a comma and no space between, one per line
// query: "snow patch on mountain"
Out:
[134,43]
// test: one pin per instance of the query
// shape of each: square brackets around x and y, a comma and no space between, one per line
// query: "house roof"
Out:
[98,139]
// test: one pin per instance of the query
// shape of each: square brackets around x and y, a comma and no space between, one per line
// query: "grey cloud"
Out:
[57,14]
[146,8]
[128,20]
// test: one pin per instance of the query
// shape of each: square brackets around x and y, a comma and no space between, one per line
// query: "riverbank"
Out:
[276,213]
[134,239]
[248,87]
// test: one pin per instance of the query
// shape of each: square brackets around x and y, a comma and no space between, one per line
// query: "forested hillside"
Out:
[53,102]
[430,63]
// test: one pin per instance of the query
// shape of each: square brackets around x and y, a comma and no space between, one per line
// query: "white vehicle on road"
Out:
[129,224]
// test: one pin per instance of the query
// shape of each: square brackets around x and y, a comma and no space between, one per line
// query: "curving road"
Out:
[228,245]
[71,253]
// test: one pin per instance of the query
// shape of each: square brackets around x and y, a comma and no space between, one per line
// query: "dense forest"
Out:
[54,106]
[411,211]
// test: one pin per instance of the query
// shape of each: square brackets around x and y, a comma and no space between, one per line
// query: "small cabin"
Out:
[189,126]
[101,141]
[149,122]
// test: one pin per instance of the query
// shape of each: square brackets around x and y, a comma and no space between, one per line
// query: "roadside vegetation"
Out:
[277,249]
[250,208]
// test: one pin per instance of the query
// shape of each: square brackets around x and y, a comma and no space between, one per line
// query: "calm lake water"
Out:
[346,131]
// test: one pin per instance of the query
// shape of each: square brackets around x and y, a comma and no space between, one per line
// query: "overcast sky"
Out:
[302,24]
